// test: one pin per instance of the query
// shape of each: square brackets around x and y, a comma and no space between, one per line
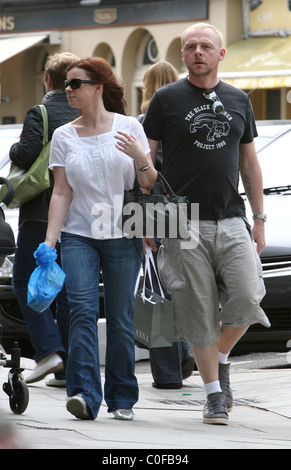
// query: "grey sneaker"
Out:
[225,385]
[215,411]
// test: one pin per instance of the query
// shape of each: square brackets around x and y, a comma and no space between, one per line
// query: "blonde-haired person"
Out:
[169,365]
[48,339]
[201,26]
[206,146]
[157,75]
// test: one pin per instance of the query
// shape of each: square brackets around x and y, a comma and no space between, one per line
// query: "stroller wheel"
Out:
[19,400]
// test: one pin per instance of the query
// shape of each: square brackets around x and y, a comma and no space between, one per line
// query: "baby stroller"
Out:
[16,388]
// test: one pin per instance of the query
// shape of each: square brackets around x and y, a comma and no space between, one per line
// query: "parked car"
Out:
[273,146]
[14,328]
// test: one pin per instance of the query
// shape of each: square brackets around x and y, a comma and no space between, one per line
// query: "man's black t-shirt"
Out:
[200,148]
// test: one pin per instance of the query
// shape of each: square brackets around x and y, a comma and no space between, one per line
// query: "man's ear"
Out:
[182,55]
[222,54]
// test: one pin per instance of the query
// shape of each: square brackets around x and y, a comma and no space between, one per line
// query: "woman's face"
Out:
[80,94]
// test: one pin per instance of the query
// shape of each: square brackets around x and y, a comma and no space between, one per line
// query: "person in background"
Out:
[94,159]
[207,129]
[169,365]
[48,338]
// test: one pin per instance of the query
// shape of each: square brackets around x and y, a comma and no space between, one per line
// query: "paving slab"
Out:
[164,419]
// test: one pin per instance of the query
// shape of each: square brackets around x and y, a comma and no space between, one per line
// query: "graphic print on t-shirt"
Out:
[215,129]
[201,150]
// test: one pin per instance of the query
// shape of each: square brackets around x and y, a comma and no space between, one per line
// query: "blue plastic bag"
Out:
[47,279]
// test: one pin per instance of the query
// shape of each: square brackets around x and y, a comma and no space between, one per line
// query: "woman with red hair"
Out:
[94,159]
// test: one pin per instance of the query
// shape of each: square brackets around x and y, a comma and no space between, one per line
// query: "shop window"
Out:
[151,52]
[273,104]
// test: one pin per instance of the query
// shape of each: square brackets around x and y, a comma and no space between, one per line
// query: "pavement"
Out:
[167,422]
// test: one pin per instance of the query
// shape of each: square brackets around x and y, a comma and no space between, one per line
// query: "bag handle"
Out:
[149,261]
[147,271]
[45,124]
[164,184]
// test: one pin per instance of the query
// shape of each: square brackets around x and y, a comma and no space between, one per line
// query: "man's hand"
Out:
[259,234]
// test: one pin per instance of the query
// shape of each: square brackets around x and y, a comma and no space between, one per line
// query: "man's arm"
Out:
[25,152]
[253,183]
[154,144]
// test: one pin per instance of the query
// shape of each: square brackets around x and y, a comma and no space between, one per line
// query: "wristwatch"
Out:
[263,217]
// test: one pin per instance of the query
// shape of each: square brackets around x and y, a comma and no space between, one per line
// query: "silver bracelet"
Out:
[144,168]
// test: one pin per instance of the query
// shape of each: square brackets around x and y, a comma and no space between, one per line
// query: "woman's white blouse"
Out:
[98,174]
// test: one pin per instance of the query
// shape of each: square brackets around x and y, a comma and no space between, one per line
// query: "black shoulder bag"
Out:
[160,214]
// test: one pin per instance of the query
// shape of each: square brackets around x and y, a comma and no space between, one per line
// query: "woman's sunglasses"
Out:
[75,83]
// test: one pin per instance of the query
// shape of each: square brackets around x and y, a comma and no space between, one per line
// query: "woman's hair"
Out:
[100,71]
[157,75]
[56,66]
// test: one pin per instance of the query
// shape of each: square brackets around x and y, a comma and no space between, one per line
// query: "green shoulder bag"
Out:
[29,184]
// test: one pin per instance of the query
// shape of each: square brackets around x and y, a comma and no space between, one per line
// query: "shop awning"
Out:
[263,62]
[10,45]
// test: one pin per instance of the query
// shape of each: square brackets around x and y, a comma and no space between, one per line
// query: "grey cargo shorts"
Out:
[218,280]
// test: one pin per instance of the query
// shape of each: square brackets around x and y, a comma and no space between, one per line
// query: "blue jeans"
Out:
[46,336]
[166,363]
[120,261]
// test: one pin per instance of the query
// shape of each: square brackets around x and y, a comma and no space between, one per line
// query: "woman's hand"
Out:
[132,147]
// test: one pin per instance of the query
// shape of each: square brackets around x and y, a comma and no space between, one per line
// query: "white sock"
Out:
[222,358]
[212,387]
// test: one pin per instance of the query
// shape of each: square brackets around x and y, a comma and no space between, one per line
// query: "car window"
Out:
[6,143]
[275,160]
[8,136]
[273,146]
